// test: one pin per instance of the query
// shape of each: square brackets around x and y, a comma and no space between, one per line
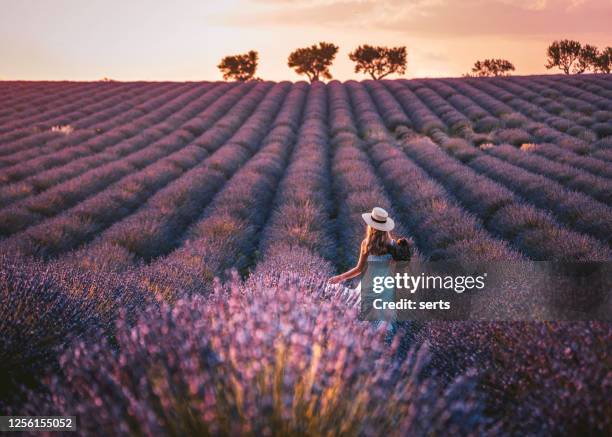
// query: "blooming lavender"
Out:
[258,361]
[164,261]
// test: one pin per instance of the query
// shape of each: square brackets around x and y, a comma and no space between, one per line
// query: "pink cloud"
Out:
[441,17]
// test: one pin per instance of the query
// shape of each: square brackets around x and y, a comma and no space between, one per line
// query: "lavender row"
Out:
[597,187]
[509,128]
[577,210]
[561,117]
[593,87]
[535,232]
[603,80]
[528,132]
[455,121]
[40,172]
[18,93]
[63,115]
[570,99]
[30,104]
[140,137]
[553,100]
[578,99]
[582,89]
[506,129]
[462,118]
[299,236]
[75,226]
[517,129]
[24,134]
[463,104]
[120,112]
[26,97]
[226,235]
[604,155]
[36,106]
[594,221]
[440,226]
[535,112]
[423,119]
[355,183]
[592,185]
[120,161]
[597,121]
[71,145]
[130,141]
[157,227]
[81,104]
[590,164]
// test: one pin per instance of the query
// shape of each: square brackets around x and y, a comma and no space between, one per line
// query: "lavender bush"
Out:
[263,361]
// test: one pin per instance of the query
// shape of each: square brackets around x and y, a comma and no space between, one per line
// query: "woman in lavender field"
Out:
[374,259]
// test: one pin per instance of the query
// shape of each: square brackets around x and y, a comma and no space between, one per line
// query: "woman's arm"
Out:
[355,271]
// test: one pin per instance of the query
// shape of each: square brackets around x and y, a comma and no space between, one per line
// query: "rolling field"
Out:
[120,203]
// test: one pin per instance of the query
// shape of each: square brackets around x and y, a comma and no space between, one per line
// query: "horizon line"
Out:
[111,80]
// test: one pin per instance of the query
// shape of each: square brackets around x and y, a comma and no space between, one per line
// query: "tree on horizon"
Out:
[240,67]
[313,61]
[587,60]
[604,61]
[493,67]
[379,61]
[572,57]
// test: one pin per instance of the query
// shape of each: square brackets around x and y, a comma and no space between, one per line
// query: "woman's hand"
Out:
[334,280]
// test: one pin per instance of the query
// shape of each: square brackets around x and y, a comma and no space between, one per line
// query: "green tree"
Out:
[379,61]
[604,61]
[492,67]
[314,61]
[239,67]
[565,55]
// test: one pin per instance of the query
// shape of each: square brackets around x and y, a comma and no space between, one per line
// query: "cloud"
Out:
[433,17]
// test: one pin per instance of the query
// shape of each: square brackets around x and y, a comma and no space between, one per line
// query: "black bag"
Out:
[401,249]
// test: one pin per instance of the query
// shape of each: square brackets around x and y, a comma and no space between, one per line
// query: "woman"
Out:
[375,254]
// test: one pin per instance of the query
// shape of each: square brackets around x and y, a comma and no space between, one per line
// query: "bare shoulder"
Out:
[363,246]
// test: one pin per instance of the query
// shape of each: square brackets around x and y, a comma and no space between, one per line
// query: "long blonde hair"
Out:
[376,242]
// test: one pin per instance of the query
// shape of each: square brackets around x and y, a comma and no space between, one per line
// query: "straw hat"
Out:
[379,219]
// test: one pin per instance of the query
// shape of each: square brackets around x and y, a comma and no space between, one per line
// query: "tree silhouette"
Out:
[239,67]
[379,61]
[314,61]
[604,61]
[492,67]
[564,54]
[587,59]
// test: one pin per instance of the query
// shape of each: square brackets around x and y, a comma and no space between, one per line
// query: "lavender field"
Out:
[164,250]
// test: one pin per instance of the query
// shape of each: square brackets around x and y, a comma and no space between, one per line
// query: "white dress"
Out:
[377,265]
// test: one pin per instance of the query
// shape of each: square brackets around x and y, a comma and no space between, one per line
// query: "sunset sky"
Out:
[185,39]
